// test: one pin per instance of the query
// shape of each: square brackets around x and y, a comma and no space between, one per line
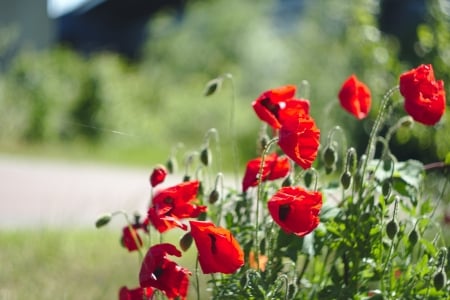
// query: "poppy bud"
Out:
[103,220]
[392,229]
[308,179]
[387,163]
[439,280]
[287,181]
[407,122]
[346,179]
[292,290]
[171,165]
[386,188]
[186,178]
[263,141]
[213,196]
[329,156]
[202,216]
[213,86]
[413,237]
[186,241]
[205,156]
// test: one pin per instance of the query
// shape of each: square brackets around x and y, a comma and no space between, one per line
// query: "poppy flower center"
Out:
[283,211]
[273,108]
[158,272]
[213,243]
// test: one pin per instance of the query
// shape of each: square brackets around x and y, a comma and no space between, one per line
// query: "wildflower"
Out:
[262,261]
[275,167]
[158,175]
[424,96]
[355,97]
[135,294]
[130,238]
[172,204]
[299,139]
[218,251]
[268,105]
[159,272]
[296,210]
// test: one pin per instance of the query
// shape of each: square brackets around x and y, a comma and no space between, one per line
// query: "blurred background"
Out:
[122,83]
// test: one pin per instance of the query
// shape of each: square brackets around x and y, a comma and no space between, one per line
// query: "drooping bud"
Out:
[392,229]
[386,188]
[330,156]
[387,163]
[287,181]
[171,165]
[103,220]
[213,196]
[205,156]
[307,178]
[186,241]
[413,237]
[213,86]
[158,175]
[439,280]
[346,179]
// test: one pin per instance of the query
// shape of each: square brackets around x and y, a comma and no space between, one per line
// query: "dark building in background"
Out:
[113,25]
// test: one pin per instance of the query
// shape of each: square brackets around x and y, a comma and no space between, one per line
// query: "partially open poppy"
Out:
[269,104]
[175,203]
[275,167]
[218,250]
[299,138]
[295,209]
[355,97]
[131,238]
[158,175]
[135,294]
[159,272]
[424,95]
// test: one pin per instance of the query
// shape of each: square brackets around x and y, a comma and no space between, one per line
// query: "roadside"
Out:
[43,193]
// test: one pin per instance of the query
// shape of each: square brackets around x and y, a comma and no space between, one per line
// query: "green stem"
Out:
[259,197]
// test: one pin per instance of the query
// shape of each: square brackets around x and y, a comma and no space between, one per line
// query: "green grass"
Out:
[67,264]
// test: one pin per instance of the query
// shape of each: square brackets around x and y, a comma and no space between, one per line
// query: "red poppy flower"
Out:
[130,238]
[218,250]
[269,104]
[355,97]
[158,175]
[299,139]
[175,203]
[295,210]
[424,96]
[275,167]
[159,272]
[135,294]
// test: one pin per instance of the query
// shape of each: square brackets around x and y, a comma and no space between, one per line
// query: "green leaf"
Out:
[447,159]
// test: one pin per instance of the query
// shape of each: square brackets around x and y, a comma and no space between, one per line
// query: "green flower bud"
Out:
[213,196]
[287,181]
[392,229]
[346,179]
[213,86]
[329,156]
[387,163]
[202,216]
[171,165]
[205,156]
[439,280]
[103,220]
[386,188]
[307,178]
[186,178]
[186,241]
[413,237]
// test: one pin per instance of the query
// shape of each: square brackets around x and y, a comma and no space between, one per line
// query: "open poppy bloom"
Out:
[355,97]
[424,96]
[135,294]
[269,104]
[158,175]
[296,210]
[218,250]
[130,238]
[299,139]
[275,167]
[159,272]
[175,203]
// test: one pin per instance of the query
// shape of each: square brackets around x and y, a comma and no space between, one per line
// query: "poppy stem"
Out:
[259,196]
[373,133]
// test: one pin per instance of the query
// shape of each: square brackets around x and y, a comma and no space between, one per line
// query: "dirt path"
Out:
[38,193]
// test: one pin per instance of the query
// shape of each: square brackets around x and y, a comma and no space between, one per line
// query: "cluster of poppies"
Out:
[294,208]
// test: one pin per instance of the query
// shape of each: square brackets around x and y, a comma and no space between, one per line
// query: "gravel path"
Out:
[41,193]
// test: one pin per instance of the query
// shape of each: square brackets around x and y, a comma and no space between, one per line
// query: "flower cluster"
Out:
[287,213]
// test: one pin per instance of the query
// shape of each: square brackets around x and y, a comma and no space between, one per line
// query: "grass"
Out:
[67,264]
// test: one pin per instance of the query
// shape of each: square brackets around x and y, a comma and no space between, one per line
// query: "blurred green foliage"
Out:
[104,102]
